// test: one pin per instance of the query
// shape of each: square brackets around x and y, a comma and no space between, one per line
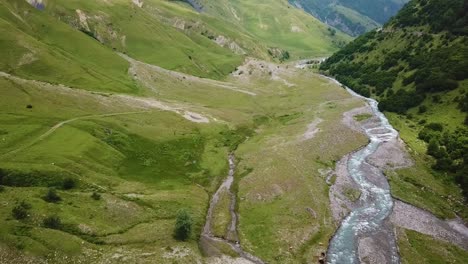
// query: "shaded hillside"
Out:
[278,25]
[352,17]
[417,67]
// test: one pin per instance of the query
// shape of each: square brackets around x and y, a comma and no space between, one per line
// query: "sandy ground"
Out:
[312,129]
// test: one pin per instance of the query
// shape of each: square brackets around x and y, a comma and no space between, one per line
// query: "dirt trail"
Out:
[60,124]
[209,240]
[112,99]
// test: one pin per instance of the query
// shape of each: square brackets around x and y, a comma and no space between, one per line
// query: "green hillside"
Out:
[417,67]
[278,26]
[39,47]
[173,35]
[352,17]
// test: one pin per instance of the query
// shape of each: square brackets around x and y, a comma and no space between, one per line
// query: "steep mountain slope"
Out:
[279,26]
[352,17]
[173,35]
[417,67]
[37,47]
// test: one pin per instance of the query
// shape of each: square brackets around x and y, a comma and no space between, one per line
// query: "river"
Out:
[375,202]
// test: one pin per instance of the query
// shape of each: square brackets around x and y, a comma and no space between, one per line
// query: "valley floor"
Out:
[135,160]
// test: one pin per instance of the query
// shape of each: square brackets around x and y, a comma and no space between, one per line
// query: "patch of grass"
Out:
[425,249]
[222,215]
[362,117]
[352,194]
[420,185]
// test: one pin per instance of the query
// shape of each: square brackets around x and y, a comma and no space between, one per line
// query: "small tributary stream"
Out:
[375,203]
[232,234]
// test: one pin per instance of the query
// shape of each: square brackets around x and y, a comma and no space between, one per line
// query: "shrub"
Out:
[2,188]
[96,196]
[68,183]
[52,196]
[435,126]
[183,225]
[52,222]
[20,211]
[422,109]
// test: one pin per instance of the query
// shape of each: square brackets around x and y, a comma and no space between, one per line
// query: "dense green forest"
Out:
[414,62]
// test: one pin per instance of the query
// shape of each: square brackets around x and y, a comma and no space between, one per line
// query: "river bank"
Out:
[379,245]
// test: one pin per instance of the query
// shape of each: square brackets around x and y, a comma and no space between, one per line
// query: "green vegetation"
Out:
[21,211]
[352,17]
[183,225]
[52,196]
[352,194]
[52,222]
[278,26]
[425,249]
[362,117]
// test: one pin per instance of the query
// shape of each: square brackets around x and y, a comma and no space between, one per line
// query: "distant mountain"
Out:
[417,66]
[351,16]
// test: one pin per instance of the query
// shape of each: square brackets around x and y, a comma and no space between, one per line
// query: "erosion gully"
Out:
[375,202]
[232,239]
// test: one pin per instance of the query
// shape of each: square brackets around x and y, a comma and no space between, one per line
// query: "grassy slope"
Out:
[148,34]
[356,18]
[115,156]
[424,249]
[279,25]
[38,47]
[178,38]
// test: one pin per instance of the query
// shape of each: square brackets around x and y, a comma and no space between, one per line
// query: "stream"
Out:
[232,239]
[375,203]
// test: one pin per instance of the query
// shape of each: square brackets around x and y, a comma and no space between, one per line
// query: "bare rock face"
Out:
[138,3]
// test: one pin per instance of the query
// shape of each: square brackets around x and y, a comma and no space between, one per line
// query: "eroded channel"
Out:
[232,239]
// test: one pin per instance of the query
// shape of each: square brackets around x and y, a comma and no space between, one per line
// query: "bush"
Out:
[2,188]
[183,225]
[435,126]
[422,109]
[52,222]
[96,196]
[52,196]
[68,183]
[20,211]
